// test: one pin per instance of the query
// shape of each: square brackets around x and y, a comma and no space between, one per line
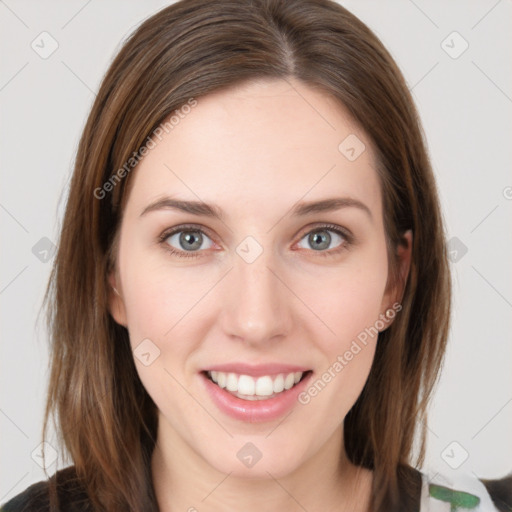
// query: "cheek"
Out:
[155,295]
[155,301]
[351,308]
[349,299]
[357,306]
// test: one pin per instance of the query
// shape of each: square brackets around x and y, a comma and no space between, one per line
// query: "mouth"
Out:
[256,388]
[255,393]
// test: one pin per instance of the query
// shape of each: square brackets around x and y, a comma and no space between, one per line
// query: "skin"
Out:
[255,150]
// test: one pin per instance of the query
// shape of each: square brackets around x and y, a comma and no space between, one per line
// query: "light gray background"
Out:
[465,104]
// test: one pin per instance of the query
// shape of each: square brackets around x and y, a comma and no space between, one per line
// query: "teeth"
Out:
[232,382]
[251,388]
[246,385]
[264,386]
[278,383]
[289,381]
[221,379]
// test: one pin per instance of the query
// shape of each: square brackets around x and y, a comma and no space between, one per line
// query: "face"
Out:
[277,302]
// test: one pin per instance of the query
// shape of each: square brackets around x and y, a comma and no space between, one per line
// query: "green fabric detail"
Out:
[457,499]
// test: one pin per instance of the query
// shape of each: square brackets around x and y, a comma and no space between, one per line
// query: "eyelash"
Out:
[162,239]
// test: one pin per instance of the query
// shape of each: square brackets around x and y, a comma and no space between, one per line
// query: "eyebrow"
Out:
[301,209]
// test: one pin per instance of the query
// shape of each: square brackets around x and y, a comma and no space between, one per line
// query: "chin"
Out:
[256,458]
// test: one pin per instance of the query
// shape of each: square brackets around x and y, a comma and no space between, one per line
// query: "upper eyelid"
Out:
[187,227]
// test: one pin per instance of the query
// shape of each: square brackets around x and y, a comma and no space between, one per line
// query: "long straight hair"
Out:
[105,419]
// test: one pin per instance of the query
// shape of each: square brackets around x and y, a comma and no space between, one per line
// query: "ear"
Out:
[115,300]
[395,290]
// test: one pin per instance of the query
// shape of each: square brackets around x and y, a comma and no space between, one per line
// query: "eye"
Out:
[185,242]
[189,241]
[320,239]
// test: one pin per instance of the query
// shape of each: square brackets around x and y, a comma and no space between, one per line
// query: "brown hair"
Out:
[106,420]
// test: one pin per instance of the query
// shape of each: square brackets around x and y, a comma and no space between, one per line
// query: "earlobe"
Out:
[115,301]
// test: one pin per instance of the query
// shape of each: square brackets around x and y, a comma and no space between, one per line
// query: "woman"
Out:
[250,301]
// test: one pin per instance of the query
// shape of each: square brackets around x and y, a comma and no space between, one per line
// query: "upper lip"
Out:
[256,370]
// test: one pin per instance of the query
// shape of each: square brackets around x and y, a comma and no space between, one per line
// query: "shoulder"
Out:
[36,498]
[465,492]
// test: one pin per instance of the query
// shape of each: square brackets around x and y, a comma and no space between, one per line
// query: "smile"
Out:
[252,388]
[255,394]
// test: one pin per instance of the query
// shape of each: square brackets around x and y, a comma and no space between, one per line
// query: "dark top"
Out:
[73,498]
[35,498]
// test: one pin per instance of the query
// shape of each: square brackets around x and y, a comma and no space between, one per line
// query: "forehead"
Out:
[260,145]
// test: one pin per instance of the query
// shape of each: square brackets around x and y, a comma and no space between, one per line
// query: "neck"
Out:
[184,481]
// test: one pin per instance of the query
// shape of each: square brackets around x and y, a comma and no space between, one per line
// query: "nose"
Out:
[257,305]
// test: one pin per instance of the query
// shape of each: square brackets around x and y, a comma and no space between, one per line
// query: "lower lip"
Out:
[255,411]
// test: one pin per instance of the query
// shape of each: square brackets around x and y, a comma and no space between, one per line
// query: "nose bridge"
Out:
[256,308]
